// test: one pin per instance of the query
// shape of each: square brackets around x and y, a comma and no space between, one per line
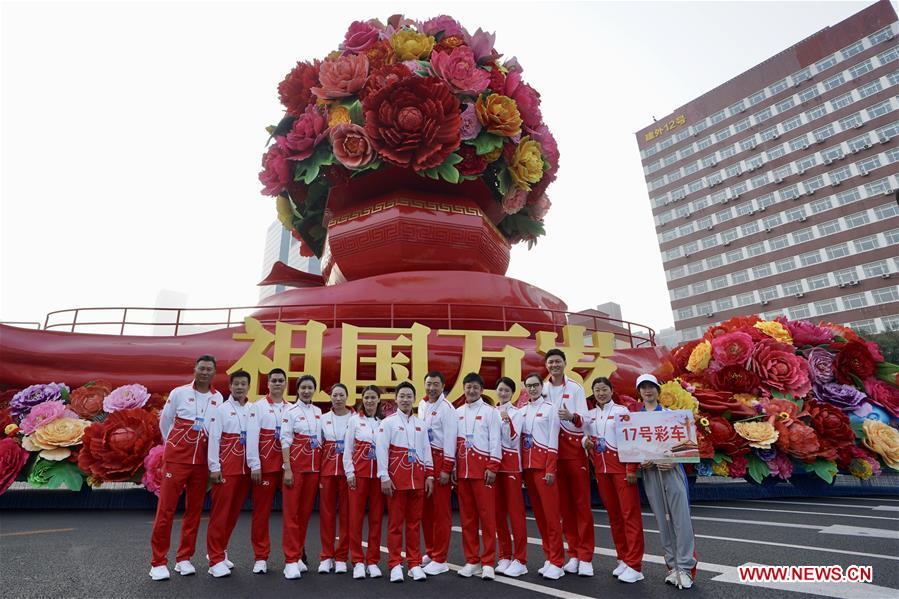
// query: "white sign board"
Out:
[666,436]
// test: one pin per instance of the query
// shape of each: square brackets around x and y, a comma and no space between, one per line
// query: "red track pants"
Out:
[298,500]
[367,489]
[404,512]
[510,509]
[437,521]
[545,503]
[477,506]
[334,496]
[574,502]
[177,478]
[227,499]
[622,501]
[263,497]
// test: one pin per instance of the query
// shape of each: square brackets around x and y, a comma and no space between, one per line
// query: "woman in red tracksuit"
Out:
[509,500]
[361,466]
[301,453]
[617,482]
[334,493]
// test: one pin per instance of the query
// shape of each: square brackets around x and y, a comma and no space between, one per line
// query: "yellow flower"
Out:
[338,115]
[883,440]
[861,469]
[10,430]
[720,468]
[410,45]
[675,397]
[775,330]
[54,437]
[285,215]
[759,434]
[699,357]
[527,163]
[498,114]
[747,399]
[704,422]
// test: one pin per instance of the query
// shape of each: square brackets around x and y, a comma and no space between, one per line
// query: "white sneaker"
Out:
[501,565]
[686,581]
[292,571]
[339,567]
[426,559]
[359,571]
[396,574]
[219,570]
[546,565]
[553,572]
[326,566]
[515,569]
[487,573]
[418,574]
[260,566]
[227,562]
[374,571]
[585,569]
[469,570]
[159,573]
[435,568]
[621,567]
[571,566]
[303,567]
[185,568]
[672,577]
[630,575]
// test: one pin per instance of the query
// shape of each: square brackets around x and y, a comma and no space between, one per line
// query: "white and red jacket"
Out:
[184,413]
[227,451]
[478,445]
[540,436]
[570,396]
[301,431]
[440,419]
[601,423]
[263,429]
[359,457]
[334,429]
[510,437]
[397,435]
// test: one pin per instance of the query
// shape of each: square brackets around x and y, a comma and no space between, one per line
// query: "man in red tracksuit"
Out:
[183,426]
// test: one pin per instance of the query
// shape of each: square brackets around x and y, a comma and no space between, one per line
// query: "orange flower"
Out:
[499,115]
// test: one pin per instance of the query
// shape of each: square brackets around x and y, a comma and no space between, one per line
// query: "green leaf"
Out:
[446,171]
[503,181]
[858,382]
[47,473]
[887,371]
[486,142]
[307,170]
[758,468]
[718,457]
[825,469]
[857,427]
[356,114]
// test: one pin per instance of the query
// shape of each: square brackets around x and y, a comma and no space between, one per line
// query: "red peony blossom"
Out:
[497,79]
[739,323]
[706,448]
[799,441]
[459,69]
[12,460]
[380,54]
[805,333]
[725,438]
[448,44]
[6,419]
[295,91]
[471,164]
[309,130]
[87,401]
[854,358]
[114,450]
[780,368]
[6,396]
[414,122]
[883,394]
[739,466]
[838,329]
[831,424]
[782,410]
[342,76]
[526,97]
[359,37]
[156,403]
[351,145]
[719,402]
[382,77]
[732,349]
[276,172]
[681,355]
[735,379]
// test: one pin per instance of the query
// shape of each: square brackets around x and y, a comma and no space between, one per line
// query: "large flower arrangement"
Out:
[776,398]
[427,96]
[55,437]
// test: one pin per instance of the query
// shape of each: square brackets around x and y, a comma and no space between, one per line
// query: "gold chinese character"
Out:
[648,136]
[380,359]
[680,120]
[580,357]
[256,359]
[474,354]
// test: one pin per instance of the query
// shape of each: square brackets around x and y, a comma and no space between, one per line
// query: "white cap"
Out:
[647,378]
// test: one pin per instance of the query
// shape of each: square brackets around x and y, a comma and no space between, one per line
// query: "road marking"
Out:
[840,590]
[758,509]
[778,502]
[876,499]
[752,522]
[887,508]
[859,531]
[35,532]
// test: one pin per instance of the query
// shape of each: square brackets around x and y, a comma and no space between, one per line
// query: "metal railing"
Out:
[183,321]
[22,324]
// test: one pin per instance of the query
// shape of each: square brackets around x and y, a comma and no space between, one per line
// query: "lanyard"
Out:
[310,426]
[334,417]
[241,415]
[530,417]
[470,430]
[197,415]
[605,417]
[410,441]
[279,410]
[372,427]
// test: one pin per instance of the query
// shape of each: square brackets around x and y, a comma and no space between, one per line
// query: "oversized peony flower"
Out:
[738,466]
[54,439]
[721,402]
[351,145]
[380,54]
[499,115]
[473,165]
[883,440]
[411,45]
[845,397]
[806,333]
[759,434]
[470,125]
[448,44]
[153,463]
[126,397]
[342,76]
[724,437]
[295,91]
[382,77]
[514,200]
[780,368]
[12,459]
[23,401]
[526,99]
[414,122]
[700,357]
[276,174]
[359,37]
[775,330]
[44,413]
[883,394]
[681,355]
[481,43]
[798,440]
[820,362]
[338,115]
[444,24]
[539,206]
[732,349]
[460,71]
[735,379]
[87,400]
[675,397]
[831,424]
[526,164]
[114,450]
[854,359]
[309,130]
[780,466]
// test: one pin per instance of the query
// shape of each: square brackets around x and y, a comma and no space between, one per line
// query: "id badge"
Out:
[600,445]
[430,435]
[278,431]
[411,456]
[527,440]
[469,441]
[313,442]
[371,452]
[198,423]
[339,445]
[243,437]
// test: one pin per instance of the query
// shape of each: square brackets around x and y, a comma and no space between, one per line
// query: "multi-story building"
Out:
[775,193]
[281,246]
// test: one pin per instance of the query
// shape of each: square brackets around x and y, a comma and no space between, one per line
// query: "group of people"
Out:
[356,461]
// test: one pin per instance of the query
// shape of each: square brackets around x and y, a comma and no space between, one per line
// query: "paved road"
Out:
[105,554]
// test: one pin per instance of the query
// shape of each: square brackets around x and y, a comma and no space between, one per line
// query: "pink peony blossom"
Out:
[471,126]
[550,151]
[514,200]
[275,174]
[805,333]
[879,392]
[540,206]
[359,37]
[341,77]
[781,466]
[780,368]
[126,397]
[442,24]
[152,478]
[481,43]
[459,70]
[351,145]
[43,413]
[732,349]
[306,133]
[526,97]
